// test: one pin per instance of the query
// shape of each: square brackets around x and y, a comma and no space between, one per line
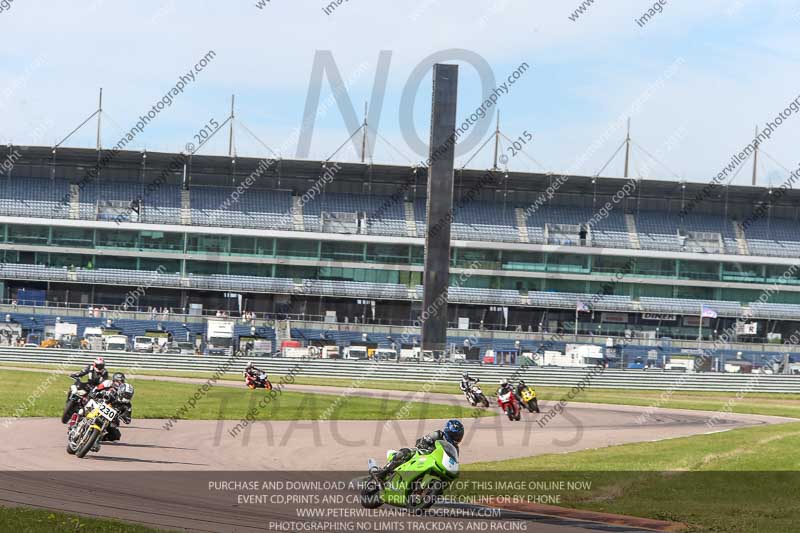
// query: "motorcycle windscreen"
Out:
[450,459]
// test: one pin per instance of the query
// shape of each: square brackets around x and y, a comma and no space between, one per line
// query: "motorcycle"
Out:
[417,483]
[475,396]
[530,400]
[257,382]
[85,435]
[509,404]
[76,398]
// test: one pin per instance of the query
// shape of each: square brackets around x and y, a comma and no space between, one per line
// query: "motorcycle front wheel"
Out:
[87,443]
[485,401]
[423,499]
[371,495]
[510,413]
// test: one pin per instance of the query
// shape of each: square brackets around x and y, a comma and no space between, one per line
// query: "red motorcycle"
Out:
[509,404]
[259,381]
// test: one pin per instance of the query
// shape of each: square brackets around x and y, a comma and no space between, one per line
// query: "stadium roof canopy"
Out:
[299,175]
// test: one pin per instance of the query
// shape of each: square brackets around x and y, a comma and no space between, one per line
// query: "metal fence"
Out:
[421,372]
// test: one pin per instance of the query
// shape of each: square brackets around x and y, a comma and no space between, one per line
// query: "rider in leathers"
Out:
[453,432]
[506,387]
[96,371]
[255,372]
[467,382]
[118,395]
[521,386]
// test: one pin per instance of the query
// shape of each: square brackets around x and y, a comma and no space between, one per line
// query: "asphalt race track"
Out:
[167,472]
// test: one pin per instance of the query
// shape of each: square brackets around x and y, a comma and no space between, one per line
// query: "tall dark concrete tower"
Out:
[440,205]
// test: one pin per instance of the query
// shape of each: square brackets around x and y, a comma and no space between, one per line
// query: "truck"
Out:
[330,351]
[681,363]
[385,354]
[115,343]
[576,355]
[355,352]
[411,353]
[261,348]
[94,339]
[219,337]
[64,329]
[10,333]
[294,352]
[143,344]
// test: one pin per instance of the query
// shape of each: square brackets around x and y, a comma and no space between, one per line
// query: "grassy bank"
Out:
[43,521]
[745,480]
[159,399]
[775,404]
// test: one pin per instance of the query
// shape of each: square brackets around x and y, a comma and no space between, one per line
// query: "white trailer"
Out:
[355,352]
[65,329]
[683,363]
[295,352]
[576,355]
[219,336]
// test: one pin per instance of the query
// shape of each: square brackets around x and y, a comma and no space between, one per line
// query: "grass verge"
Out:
[774,404]
[159,399]
[44,521]
[744,480]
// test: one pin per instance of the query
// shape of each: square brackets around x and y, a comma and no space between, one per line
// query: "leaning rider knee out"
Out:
[117,393]
[453,432]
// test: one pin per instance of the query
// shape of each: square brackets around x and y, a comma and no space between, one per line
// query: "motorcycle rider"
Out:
[521,386]
[453,432]
[255,372]
[118,394]
[96,371]
[467,382]
[505,387]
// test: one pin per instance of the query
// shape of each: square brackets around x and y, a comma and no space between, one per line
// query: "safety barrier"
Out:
[418,372]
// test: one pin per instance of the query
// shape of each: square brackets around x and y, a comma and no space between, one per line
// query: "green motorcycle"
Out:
[417,483]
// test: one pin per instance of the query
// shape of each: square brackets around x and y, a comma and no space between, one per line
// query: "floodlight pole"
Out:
[755,158]
[364,135]
[230,135]
[496,140]
[628,147]
[99,118]
[700,330]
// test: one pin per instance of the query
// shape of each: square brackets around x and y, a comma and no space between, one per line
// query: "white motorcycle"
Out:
[476,396]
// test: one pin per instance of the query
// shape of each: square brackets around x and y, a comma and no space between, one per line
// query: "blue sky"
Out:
[738,66]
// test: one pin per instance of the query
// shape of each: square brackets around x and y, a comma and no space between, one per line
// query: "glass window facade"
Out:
[249,249]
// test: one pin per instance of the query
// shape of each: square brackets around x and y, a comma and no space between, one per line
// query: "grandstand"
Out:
[354,252]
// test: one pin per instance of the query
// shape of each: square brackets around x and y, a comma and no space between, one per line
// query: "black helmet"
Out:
[125,393]
[99,364]
[118,378]
[465,375]
[521,383]
[453,431]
